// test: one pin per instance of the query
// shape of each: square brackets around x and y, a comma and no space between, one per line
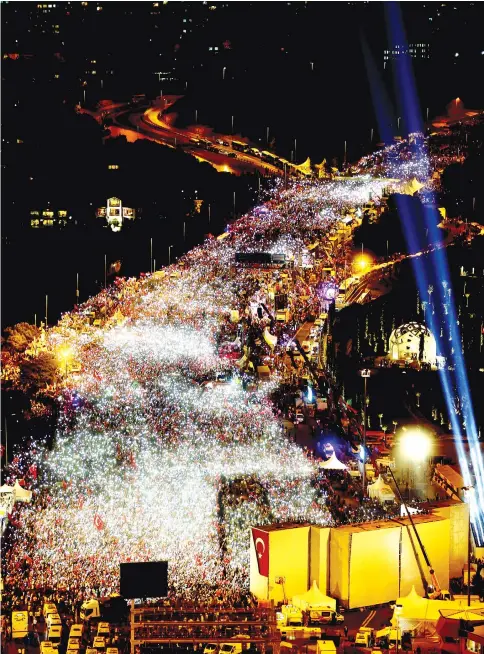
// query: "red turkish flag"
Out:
[98,523]
[261,544]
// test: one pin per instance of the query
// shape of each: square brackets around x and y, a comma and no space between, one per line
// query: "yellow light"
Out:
[415,445]
[362,262]
[65,353]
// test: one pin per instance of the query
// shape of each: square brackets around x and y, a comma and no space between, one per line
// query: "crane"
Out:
[433,590]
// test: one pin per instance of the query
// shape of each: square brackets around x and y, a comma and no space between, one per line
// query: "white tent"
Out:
[22,494]
[380,491]
[7,489]
[314,599]
[413,612]
[332,464]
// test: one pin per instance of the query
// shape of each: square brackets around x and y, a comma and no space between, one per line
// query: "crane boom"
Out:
[437,591]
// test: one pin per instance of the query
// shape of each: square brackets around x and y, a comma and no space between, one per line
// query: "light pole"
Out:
[223,72]
[398,610]
[169,254]
[467,490]
[365,373]
[151,254]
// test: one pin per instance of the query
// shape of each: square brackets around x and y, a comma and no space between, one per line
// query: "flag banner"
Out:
[261,544]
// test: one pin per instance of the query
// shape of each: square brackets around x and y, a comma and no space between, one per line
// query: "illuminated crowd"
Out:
[166,450]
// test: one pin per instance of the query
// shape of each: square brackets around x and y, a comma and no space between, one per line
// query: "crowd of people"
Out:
[154,457]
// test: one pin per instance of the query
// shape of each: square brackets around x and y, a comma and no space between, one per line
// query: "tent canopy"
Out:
[22,494]
[416,609]
[380,491]
[333,463]
[314,598]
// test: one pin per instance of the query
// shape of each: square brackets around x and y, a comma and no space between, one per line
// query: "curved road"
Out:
[148,122]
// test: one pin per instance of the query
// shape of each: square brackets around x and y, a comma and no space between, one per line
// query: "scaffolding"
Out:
[166,628]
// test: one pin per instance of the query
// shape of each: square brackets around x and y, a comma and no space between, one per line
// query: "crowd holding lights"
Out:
[154,459]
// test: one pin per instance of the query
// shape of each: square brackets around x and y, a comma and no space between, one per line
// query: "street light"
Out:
[169,254]
[398,611]
[365,373]
[362,262]
[415,445]
[65,354]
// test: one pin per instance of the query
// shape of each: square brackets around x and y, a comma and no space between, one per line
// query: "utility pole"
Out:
[46,309]
[365,374]
[209,214]
[77,288]
[6,442]
[151,254]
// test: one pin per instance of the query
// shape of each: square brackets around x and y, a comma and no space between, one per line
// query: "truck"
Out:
[325,616]
[283,315]
[303,633]
[292,616]
[232,648]
[364,637]
[20,624]
[111,609]
[325,647]
[210,648]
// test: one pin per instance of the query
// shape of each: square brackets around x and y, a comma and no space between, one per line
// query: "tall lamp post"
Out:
[398,611]
[169,254]
[365,373]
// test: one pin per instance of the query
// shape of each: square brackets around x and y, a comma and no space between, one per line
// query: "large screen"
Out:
[140,580]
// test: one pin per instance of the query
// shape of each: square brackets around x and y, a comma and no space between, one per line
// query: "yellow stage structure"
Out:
[458,514]
[284,550]
[363,564]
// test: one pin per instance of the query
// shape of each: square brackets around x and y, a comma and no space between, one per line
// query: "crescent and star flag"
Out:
[98,523]
[261,544]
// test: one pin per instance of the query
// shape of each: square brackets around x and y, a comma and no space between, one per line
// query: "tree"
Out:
[20,336]
[41,371]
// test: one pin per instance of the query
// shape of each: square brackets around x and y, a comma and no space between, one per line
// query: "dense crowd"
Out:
[154,457]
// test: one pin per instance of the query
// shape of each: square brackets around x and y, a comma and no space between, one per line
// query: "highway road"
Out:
[151,122]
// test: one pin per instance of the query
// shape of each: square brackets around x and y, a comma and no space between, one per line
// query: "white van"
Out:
[74,643]
[53,619]
[20,624]
[103,629]
[49,607]
[76,631]
[99,643]
[54,635]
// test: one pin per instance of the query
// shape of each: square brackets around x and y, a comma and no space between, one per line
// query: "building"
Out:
[49,218]
[115,214]
[420,51]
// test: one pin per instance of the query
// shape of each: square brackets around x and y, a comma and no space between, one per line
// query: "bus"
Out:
[240,147]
